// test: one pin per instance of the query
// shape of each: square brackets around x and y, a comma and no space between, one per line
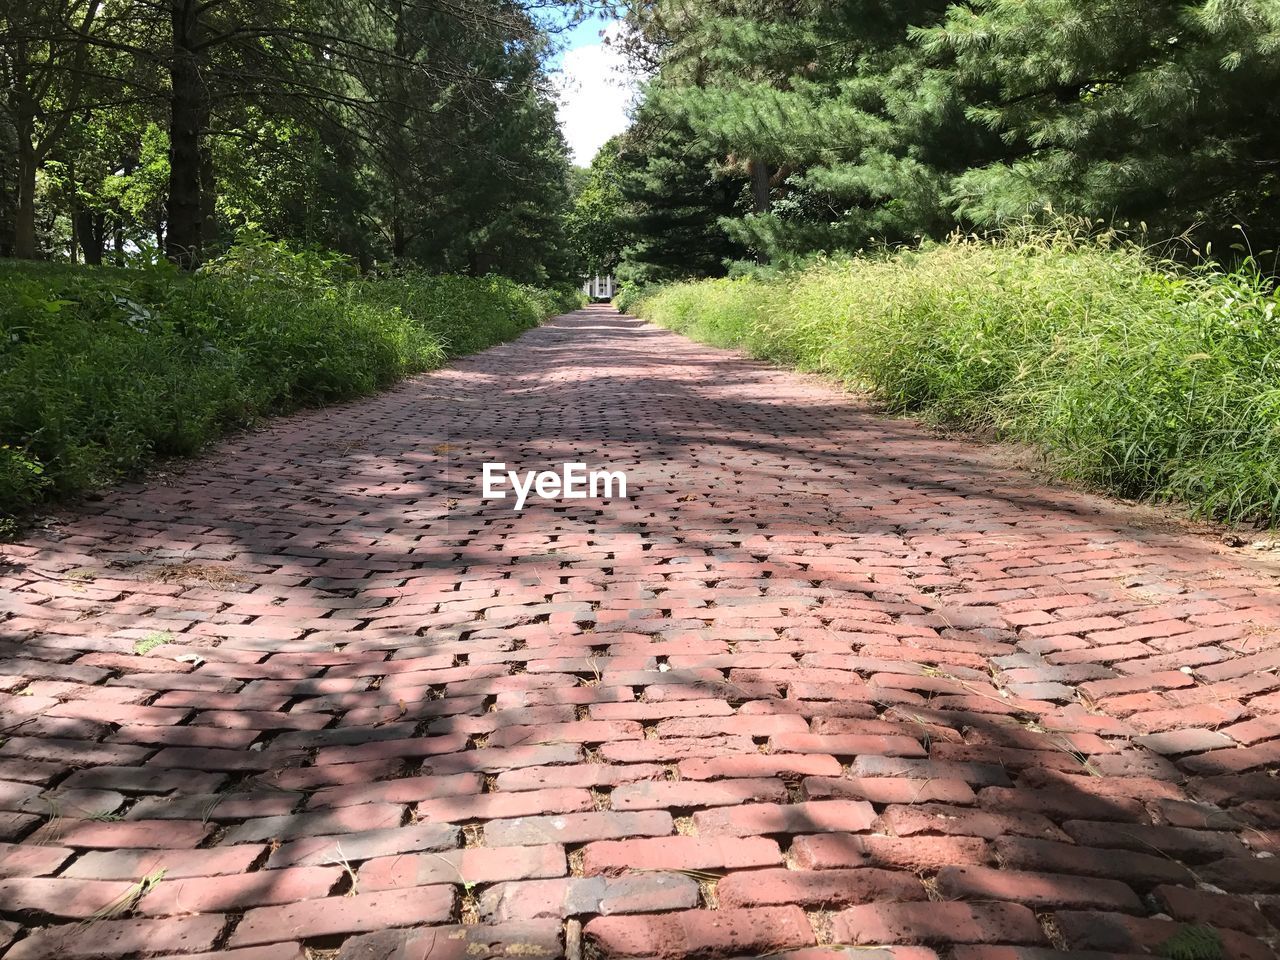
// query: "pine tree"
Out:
[1145,110]
[674,203]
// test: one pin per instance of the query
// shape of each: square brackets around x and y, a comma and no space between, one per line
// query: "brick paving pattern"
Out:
[822,682]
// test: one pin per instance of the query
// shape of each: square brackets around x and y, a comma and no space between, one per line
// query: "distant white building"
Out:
[598,287]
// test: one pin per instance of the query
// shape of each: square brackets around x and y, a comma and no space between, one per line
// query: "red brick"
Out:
[497,760]
[1044,890]
[60,896]
[364,845]
[1144,838]
[332,775]
[917,854]
[119,713]
[144,780]
[340,820]
[653,795]
[231,893]
[135,833]
[680,853]
[1177,718]
[185,737]
[760,765]
[671,750]
[752,725]
[1237,760]
[888,789]
[1253,731]
[1118,933]
[700,933]
[847,745]
[386,749]
[1215,909]
[217,807]
[276,951]
[660,711]
[815,816]
[132,864]
[1118,686]
[581,775]
[578,828]
[536,938]
[1142,870]
[496,805]
[570,896]
[260,720]
[119,938]
[981,774]
[936,923]
[31,861]
[910,820]
[583,731]
[332,916]
[469,866]
[1059,803]
[756,888]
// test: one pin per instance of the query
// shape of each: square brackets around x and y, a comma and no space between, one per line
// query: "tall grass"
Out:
[102,370]
[1152,381]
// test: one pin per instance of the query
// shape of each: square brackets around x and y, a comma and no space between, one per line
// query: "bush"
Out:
[1148,380]
[103,369]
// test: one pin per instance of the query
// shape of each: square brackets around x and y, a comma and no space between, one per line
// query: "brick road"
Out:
[823,681]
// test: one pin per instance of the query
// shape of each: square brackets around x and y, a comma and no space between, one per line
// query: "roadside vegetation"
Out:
[1151,380]
[102,370]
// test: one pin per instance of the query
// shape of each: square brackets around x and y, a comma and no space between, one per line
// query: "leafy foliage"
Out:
[1152,381]
[1193,942]
[392,130]
[595,221]
[104,369]
[843,125]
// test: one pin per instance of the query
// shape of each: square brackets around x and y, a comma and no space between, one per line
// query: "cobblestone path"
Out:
[823,681]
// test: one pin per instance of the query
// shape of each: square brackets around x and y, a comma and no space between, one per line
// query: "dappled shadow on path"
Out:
[334,685]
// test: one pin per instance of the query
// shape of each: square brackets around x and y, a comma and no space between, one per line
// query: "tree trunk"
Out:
[208,186]
[24,219]
[760,186]
[90,228]
[186,109]
[761,194]
[397,230]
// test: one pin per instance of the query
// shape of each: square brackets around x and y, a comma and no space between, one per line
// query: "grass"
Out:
[152,640]
[1152,381]
[102,370]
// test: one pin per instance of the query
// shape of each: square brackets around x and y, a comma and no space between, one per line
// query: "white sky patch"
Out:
[595,88]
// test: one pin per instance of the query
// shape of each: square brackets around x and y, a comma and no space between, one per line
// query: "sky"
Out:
[595,89]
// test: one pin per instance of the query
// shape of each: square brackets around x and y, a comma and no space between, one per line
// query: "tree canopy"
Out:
[412,130]
[832,126]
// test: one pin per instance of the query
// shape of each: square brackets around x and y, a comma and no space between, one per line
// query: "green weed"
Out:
[152,640]
[1150,380]
[102,369]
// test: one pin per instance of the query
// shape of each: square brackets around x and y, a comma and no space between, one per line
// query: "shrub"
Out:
[1127,372]
[103,369]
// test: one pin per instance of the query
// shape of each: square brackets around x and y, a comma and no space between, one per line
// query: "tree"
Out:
[864,122]
[1148,111]
[674,203]
[416,130]
[45,66]
[595,221]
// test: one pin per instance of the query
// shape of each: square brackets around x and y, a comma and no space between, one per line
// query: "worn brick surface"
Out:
[822,679]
